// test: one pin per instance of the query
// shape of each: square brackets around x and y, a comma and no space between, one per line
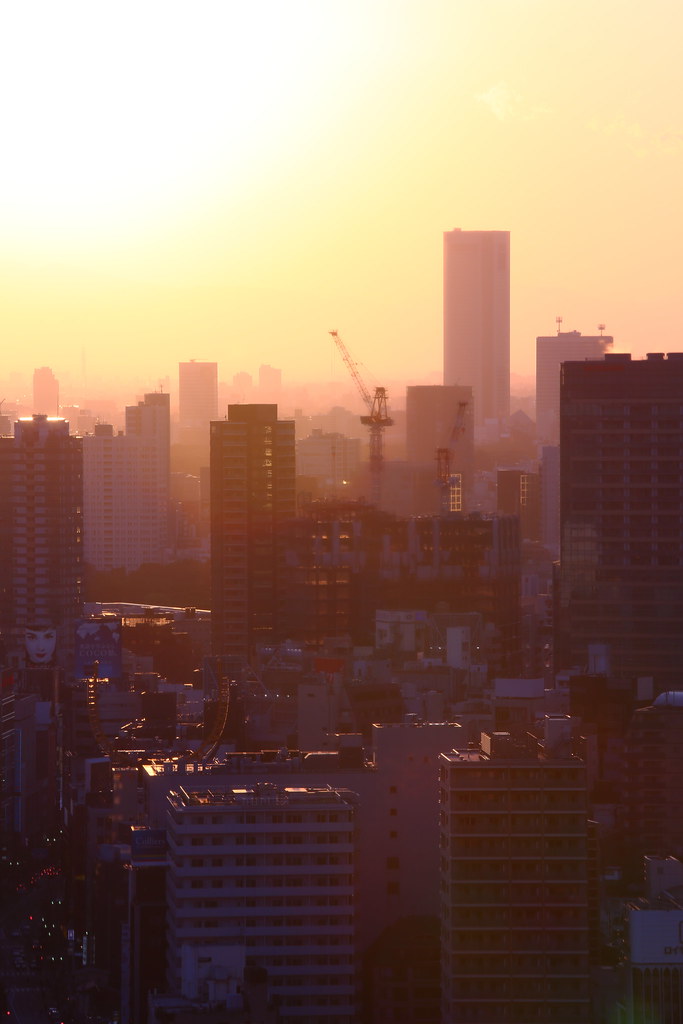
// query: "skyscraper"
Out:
[551,352]
[148,431]
[621,494]
[198,401]
[41,494]
[45,392]
[252,491]
[476,318]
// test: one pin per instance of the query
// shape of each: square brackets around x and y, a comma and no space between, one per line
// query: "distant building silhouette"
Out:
[252,492]
[270,383]
[332,459]
[41,495]
[621,466]
[197,401]
[476,318]
[439,416]
[148,425]
[551,352]
[45,392]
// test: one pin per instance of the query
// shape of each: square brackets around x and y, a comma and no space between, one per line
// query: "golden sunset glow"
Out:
[229,181]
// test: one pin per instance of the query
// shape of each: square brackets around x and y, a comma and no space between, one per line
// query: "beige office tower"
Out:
[476,319]
[551,352]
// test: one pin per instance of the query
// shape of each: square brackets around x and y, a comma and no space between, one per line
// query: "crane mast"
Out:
[377,418]
[449,482]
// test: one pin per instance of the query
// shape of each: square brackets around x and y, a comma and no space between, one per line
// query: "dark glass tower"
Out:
[252,491]
[621,515]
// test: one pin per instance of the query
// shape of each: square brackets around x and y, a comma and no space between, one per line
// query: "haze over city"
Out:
[341,513]
[232,181]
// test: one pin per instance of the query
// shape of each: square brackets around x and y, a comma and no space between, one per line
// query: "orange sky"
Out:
[230,180]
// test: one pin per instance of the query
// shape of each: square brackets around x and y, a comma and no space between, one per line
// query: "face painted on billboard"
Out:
[40,645]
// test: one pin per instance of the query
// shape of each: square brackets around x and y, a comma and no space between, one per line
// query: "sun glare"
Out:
[115,113]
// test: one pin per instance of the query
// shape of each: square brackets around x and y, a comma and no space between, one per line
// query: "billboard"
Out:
[98,639]
[40,643]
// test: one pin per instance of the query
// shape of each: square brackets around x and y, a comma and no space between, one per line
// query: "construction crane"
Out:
[377,419]
[450,483]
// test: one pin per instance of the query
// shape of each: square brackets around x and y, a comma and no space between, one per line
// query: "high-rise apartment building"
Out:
[476,318]
[252,492]
[514,882]
[551,352]
[621,494]
[197,401]
[267,871]
[148,430]
[45,392]
[41,496]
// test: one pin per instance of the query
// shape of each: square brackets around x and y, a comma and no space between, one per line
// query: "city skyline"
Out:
[257,178]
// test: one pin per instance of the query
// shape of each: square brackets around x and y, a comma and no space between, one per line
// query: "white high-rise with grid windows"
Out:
[269,870]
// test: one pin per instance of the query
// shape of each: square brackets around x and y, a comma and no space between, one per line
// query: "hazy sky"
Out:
[231,180]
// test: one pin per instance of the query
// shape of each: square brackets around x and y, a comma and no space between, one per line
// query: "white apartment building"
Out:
[126,489]
[270,870]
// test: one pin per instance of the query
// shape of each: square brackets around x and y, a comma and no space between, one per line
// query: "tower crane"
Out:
[377,419]
[450,483]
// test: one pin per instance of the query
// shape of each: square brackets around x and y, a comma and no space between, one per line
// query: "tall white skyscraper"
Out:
[476,318]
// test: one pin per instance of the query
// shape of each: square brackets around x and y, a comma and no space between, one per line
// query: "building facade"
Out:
[41,497]
[197,401]
[476,319]
[148,433]
[252,492]
[514,884]
[621,494]
[269,869]
[440,417]
[551,352]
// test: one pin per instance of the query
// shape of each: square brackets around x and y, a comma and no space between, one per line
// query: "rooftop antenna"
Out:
[601,328]
[558,321]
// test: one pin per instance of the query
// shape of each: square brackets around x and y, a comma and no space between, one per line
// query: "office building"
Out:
[148,433]
[514,881]
[252,493]
[41,496]
[45,392]
[621,473]
[439,417]
[519,493]
[331,459]
[551,352]
[269,870]
[476,319]
[654,952]
[653,780]
[344,561]
[197,402]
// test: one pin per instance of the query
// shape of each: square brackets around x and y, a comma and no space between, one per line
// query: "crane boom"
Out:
[353,369]
[377,419]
